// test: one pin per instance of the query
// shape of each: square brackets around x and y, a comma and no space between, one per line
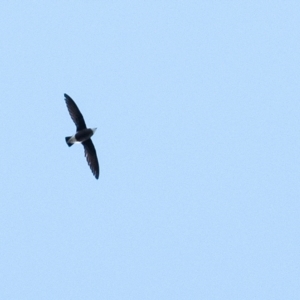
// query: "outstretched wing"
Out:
[91,157]
[75,113]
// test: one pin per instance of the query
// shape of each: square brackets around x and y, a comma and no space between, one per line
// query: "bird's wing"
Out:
[91,157]
[75,113]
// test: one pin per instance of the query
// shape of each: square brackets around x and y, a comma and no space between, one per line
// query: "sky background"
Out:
[197,106]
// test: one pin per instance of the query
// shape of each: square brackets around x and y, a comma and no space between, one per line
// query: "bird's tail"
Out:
[67,141]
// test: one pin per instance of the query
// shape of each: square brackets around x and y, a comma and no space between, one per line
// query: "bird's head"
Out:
[94,129]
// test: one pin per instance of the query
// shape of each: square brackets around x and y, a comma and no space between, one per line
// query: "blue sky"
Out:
[197,109]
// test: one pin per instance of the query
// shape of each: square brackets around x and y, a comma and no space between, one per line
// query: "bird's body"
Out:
[80,136]
[83,136]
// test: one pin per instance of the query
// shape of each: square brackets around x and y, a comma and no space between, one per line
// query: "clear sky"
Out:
[197,105]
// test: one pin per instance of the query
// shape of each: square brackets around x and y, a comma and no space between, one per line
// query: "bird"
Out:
[83,135]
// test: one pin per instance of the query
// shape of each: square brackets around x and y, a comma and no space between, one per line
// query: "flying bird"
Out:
[83,135]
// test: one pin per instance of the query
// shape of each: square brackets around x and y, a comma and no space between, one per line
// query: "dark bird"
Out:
[83,135]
